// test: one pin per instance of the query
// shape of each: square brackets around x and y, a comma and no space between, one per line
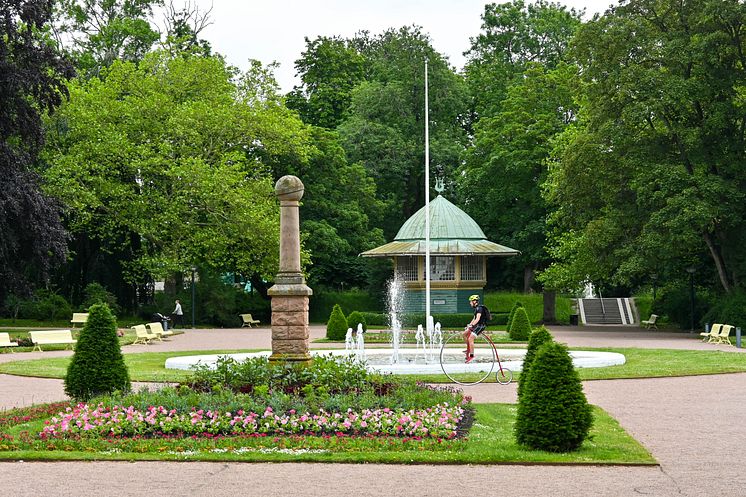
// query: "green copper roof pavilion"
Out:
[458,258]
[452,232]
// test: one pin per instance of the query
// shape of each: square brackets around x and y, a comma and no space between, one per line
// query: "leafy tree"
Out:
[183,28]
[97,367]
[336,327]
[536,339]
[385,130]
[172,158]
[651,179]
[520,326]
[338,204]
[514,35]
[100,32]
[521,89]
[506,167]
[329,69]
[33,239]
[553,413]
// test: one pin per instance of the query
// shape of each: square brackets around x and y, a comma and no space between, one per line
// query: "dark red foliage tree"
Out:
[32,82]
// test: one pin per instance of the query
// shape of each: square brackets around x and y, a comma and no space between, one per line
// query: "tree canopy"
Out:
[651,179]
[33,77]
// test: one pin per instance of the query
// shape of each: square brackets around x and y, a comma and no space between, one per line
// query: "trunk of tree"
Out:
[550,307]
[719,263]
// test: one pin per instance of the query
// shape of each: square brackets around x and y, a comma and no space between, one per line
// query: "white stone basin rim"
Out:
[379,360]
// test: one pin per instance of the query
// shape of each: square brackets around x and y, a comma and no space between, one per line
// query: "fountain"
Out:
[424,358]
[395,303]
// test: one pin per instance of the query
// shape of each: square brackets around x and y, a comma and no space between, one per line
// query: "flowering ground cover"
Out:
[84,420]
[489,440]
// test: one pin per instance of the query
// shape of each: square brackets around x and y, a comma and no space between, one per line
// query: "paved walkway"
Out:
[692,425]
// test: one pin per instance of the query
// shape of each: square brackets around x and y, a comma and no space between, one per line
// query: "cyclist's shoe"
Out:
[469,359]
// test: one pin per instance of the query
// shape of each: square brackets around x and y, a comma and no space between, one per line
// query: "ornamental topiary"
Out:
[536,339]
[512,313]
[553,413]
[520,327]
[97,367]
[336,327]
[356,318]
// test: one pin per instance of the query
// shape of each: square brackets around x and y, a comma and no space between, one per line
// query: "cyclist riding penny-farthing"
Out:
[475,327]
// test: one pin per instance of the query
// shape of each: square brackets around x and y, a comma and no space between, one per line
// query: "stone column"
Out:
[289,293]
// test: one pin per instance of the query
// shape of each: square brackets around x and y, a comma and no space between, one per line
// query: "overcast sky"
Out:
[274,30]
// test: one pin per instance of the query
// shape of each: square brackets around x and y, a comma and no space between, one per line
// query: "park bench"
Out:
[51,337]
[710,336]
[650,322]
[79,318]
[142,335]
[5,341]
[248,320]
[157,330]
[724,335]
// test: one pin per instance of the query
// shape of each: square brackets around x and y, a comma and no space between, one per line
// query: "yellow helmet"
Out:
[474,297]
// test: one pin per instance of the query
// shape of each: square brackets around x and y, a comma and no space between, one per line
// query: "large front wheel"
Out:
[453,361]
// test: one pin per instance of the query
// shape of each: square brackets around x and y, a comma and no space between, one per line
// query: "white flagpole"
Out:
[427,202]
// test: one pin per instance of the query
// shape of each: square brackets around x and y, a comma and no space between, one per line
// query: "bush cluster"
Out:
[97,367]
[520,327]
[674,302]
[336,327]
[553,412]
[729,309]
[333,384]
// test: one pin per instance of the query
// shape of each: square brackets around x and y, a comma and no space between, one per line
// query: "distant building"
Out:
[458,258]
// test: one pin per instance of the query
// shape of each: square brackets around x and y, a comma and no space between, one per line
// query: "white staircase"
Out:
[606,311]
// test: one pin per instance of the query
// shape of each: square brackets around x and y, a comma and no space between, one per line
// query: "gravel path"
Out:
[692,425]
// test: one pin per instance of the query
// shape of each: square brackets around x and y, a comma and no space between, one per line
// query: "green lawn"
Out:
[490,441]
[641,363]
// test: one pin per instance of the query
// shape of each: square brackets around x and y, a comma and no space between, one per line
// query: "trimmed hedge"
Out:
[356,318]
[97,367]
[520,327]
[336,327]
[512,313]
[445,320]
[553,412]
[536,339]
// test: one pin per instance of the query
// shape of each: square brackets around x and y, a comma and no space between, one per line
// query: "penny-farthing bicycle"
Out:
[485,359]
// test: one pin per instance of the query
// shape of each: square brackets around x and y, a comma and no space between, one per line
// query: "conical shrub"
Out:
[356,318]
[536,339]
[520,328]
[516,305]
[336,327]
[97,367]
[553,413]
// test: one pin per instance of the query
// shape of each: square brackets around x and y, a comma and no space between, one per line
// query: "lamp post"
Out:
[654,278]
[691,271]
[194,270]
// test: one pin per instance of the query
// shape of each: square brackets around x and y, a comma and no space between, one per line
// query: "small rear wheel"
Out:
[504,376]
[455,367]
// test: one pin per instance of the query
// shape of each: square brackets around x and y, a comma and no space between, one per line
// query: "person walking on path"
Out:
[177,315]
[475,326]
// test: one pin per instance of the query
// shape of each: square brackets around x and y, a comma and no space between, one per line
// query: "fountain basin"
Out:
[414,361]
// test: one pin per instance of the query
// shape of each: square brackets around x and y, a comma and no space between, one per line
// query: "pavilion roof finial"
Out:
[439,182]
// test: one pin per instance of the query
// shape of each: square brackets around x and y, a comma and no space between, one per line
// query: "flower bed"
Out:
[440,421]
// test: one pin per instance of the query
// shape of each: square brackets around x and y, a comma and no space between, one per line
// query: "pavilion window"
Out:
[442,268]
[407,268]
[472,268]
